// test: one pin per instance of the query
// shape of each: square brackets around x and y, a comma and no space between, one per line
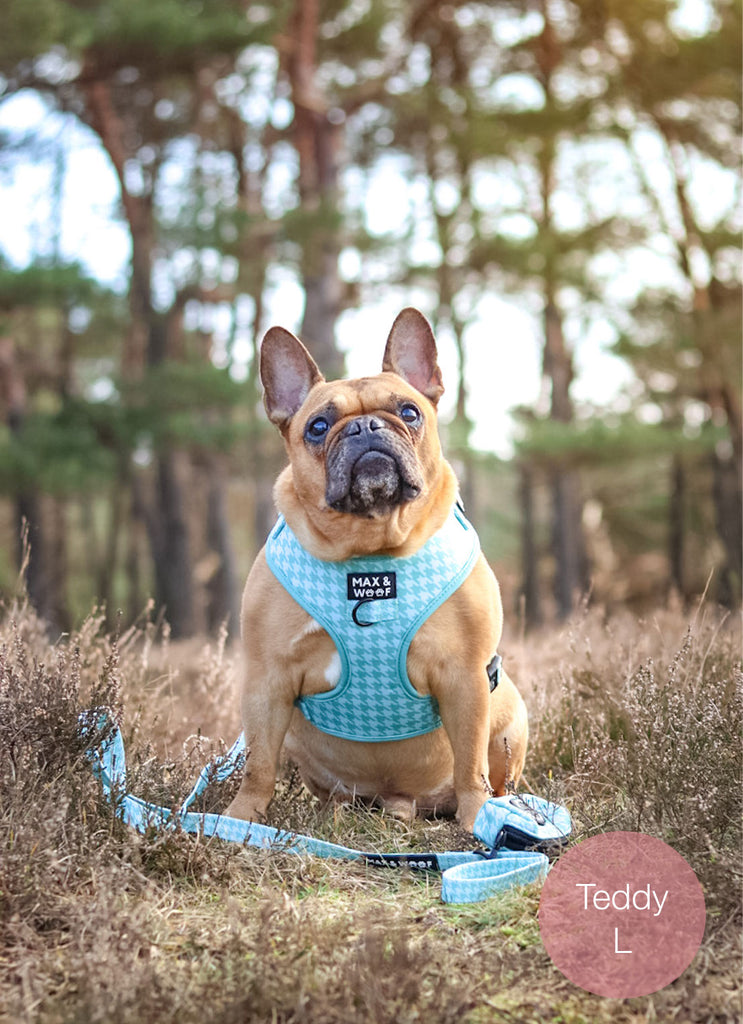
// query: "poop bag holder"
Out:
[522,822]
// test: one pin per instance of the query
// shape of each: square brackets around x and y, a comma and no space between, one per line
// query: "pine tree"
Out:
[682,92]
[50,315]
[142,75]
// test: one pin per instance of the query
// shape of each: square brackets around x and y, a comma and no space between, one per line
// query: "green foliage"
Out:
[355,32]
[166,35]
[187,404]
[39,284]
[600,441]
[307,227]
[76,448]
[28,28]
[58,453]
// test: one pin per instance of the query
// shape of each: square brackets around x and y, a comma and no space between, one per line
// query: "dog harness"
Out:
[372,607]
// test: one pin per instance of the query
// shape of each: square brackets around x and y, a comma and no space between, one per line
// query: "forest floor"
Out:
[635,725]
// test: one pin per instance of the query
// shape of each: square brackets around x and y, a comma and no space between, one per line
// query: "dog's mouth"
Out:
[373,482]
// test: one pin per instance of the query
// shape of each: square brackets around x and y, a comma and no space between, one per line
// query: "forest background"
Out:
[553,182]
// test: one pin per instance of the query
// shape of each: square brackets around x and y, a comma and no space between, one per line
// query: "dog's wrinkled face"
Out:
[371,460]
[365,446]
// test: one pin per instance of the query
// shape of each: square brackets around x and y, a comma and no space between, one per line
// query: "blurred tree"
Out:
[630,471]
[170,52]
[47,318]
[133,71]
[244,138]
[626,70]
[533,244]
[680,93]
[166,88]
[435,123]
[316,131]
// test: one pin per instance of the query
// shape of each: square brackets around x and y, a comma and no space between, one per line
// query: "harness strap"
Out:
[467,876]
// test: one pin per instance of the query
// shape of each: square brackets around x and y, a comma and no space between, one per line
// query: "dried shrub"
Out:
[632,726]
[653,746]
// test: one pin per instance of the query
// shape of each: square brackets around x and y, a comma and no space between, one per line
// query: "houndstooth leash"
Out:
[517,829]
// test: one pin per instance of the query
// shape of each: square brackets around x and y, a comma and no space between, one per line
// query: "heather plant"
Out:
[654,746]
[635,725]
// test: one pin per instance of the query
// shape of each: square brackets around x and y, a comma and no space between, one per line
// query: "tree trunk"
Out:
[567,540]
[31,553]
[108,566]
[222,587]
[58,613]
[167,527]
[32,543]
[173,569]
[568,544]
[316,139]
[135,599]
[676,528]
[167,534]
[322,305]
[567,505]
[715,386]
[727,499]
[529,556]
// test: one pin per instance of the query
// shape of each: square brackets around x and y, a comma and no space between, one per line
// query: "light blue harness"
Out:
[372,607]
[516,829]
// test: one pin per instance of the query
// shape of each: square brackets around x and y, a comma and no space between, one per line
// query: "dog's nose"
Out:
[363,425]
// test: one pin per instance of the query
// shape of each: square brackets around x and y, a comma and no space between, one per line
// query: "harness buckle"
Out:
[494,671]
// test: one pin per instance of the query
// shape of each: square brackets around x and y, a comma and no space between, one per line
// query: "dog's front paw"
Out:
[246,808]
[469,806]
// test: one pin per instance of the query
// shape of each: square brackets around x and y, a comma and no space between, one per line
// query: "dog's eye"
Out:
[410,414]
[317,429]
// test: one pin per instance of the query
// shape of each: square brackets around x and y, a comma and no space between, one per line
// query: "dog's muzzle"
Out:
[371,468]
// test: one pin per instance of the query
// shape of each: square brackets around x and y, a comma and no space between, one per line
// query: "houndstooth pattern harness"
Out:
[372,607]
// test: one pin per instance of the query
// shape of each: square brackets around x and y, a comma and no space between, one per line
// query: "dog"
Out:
[370,619]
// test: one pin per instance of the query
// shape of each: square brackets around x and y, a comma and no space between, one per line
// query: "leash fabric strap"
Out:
[109,765]
[467,876]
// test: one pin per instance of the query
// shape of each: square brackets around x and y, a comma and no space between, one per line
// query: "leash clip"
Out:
[498,845]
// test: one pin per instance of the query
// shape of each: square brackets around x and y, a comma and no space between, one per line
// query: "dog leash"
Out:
[528,823]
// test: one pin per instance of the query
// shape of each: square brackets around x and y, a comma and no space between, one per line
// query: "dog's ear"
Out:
[411,354]
[288,373]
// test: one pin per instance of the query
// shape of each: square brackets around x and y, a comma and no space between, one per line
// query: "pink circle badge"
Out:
[622,914]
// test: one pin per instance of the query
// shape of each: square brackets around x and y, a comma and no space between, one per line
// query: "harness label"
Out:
[371,586]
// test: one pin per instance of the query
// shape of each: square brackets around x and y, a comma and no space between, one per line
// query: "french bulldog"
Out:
[371,620]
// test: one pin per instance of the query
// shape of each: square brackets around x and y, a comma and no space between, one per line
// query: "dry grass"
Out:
[634,725]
